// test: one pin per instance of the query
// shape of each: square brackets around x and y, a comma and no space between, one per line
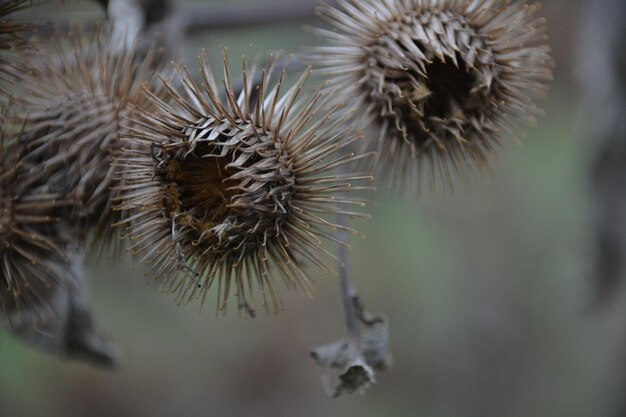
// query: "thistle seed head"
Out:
[234,189]
[442,83]
[33,264]
[76,102]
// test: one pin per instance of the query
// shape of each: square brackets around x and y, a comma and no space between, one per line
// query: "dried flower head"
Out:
[440,82]
[13,38]
[235,189]
[11,31]
[33,264]
[76,102]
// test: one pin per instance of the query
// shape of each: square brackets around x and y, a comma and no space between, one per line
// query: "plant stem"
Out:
[200,18]
[348,290]
[227,16]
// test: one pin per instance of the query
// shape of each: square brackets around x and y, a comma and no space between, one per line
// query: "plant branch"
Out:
[365,346]
[199,18]
[348,290]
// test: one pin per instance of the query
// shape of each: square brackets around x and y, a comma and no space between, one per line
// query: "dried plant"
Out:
[13,41]
[442,83]
[33,263]
[235,189]
[241,187]
[75,103]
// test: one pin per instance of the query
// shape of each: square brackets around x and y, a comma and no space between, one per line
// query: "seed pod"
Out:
[33,264]
[441,83]
[235,189]
[76,102]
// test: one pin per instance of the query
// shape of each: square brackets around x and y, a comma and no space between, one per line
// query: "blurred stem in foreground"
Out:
[603,78]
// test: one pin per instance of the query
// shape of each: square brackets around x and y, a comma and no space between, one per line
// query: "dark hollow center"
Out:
[211,199]
[202,184]
[450,87]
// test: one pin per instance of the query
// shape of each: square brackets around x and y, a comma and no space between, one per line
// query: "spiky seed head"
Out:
[33,264]
[11,31]
[13,41]
[233,190]
[441,83]
[76,102]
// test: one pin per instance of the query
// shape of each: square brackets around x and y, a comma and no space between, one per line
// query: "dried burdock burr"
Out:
[234,190]
[75,104]
[13,41]
[443,84]
[10,30]
[33,262]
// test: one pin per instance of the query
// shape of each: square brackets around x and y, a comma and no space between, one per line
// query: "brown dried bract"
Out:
[15,33]
[441,83]
[233,190]
[76,101]
[33,264]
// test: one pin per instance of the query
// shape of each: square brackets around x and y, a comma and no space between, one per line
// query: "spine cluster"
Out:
[215,182]
[440,85]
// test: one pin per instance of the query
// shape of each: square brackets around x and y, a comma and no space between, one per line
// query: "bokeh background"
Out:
[489,293]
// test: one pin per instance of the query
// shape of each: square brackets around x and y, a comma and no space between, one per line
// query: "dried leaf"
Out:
[355,359]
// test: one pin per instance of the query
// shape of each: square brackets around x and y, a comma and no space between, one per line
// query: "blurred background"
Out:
[490,294]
